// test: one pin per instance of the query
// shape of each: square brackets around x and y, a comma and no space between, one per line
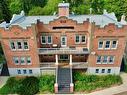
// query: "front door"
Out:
[63,41]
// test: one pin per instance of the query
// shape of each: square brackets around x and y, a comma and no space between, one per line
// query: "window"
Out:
[43,39]
[28,59]
[109,71]
[98,59]
[111,59]
[22,60]
[114,44]
[26,45]
[30,71]
[12,44]
[63,57]
[100,46]
[19,71]
[24,71]
[97,71]
[19,44]
[16,60]
[83,40]
[103,71]
[77,39]
[49,39]
[105,59]
[107,45]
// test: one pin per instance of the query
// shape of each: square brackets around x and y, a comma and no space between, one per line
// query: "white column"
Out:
[56,59]
[70,59]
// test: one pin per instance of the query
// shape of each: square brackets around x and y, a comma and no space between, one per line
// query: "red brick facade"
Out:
[64,26]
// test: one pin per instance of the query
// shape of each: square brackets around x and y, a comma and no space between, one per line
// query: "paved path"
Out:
[113,90]
[3,80]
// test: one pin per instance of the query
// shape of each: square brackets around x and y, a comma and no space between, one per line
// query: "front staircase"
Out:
[64,79]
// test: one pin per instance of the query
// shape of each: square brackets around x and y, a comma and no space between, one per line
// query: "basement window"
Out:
[63,27]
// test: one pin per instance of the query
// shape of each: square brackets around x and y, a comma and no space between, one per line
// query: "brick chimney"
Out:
[63,9]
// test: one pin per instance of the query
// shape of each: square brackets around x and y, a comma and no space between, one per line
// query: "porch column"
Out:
[70,59]
[56,59]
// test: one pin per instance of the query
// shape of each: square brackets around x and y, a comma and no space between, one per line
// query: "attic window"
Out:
[63,27]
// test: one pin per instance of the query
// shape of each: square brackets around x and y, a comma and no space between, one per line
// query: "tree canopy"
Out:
[48,7]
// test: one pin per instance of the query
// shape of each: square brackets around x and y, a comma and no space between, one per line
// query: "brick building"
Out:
[35,45]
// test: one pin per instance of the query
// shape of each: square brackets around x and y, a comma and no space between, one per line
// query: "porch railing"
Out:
[62,51]
[47,65]
[79,64]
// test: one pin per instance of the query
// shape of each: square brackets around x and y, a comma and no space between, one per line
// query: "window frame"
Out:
[106,44]
[30,71]
[108,71]
[104,59]
[21,45]
[19,71]
[75,39]
[48,39]
[45,39]
[27,60]
[116,44]
[96,71]
[24,70]
[100,59]
[24,45]
[14,45]
[103,71]
[109,59]
[99,44]
[14,57]
[81,38]
[24,60]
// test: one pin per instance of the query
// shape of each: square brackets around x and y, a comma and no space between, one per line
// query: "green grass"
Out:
[88,83]
[29,85]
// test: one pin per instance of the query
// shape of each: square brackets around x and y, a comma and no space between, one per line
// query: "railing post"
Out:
[71,59]
[56,56]
[56,84]
[71,84]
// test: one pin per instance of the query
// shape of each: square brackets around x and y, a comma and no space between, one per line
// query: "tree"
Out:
[6,14]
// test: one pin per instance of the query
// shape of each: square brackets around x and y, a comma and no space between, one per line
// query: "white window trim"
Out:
[21,45]
[116,44]
[20,72]
[14,60]
[113,59]
[105,45]
[45,40]
[30,60]
[24,45]
[98,62]
[14,45]
[24,60]
[102,45]
[103,59]
[81,39]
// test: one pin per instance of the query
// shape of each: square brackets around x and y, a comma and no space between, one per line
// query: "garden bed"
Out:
[89,83]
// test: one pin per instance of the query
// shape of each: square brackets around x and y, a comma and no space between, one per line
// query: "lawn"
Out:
[89,83]
[29,85]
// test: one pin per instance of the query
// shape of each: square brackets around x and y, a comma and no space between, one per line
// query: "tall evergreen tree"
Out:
[5,11]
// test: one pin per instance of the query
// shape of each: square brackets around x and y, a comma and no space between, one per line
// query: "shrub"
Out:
[47,83]
[11,86]
[89,83]
[29,86]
